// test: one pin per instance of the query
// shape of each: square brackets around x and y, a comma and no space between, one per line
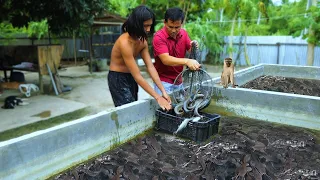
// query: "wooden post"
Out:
[278,52]
[50,54]
[90,50]
[74,48]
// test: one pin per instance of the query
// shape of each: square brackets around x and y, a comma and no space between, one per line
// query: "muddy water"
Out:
[244,148]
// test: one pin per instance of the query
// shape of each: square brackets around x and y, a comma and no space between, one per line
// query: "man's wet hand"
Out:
[193,64]
[163,103]
[167,97]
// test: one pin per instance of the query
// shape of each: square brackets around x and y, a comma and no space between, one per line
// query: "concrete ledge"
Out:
[305,72]
[42,154]
[290,109]
[285,108]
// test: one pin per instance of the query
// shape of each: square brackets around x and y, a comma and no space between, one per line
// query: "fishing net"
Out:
[192,89]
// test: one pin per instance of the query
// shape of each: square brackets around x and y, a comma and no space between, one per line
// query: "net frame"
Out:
[190,83]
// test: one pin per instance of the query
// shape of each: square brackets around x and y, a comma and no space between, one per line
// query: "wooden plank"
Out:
[48,55]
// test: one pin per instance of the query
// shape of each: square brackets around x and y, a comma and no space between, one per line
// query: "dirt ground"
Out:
[284,84]
[243,148]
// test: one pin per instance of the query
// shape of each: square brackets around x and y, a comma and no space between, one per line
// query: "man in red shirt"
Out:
[170,45]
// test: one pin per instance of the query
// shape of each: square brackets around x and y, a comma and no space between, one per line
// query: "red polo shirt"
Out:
[163,43]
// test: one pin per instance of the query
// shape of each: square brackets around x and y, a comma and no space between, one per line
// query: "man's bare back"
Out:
[127,43]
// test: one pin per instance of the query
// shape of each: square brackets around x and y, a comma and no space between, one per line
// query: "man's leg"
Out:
[122,88]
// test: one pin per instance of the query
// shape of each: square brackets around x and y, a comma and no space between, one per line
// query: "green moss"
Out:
[45,124]
[114,117]
[214,108]
[218,96]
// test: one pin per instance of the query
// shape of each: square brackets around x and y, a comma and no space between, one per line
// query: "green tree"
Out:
[37,29]
[305,26]
[313,37]
[208,37]
[63,17]
[123,7]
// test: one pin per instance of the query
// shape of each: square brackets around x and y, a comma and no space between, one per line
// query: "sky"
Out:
[278,2]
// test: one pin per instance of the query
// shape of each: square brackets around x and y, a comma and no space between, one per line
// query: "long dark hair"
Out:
[174,14]
[134,23]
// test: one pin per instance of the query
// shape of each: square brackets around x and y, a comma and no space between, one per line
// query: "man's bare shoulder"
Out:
[123,40]
[122,43]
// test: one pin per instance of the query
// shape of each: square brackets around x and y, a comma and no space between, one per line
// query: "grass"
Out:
[45,124]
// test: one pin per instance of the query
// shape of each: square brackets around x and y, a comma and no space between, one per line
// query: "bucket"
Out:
[17,77]
[102,64]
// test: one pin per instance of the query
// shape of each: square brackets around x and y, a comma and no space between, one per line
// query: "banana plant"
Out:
[38,29]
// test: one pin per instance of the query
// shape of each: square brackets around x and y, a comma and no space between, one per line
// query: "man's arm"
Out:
[152,70]
[173,61]
[127,55]
[161,50]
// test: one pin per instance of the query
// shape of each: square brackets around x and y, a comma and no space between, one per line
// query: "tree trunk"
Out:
[259,17]
[186,9]
[245,47]
[90,50]
[221,15]
[311,46]
[310,50]
[74,48]
[231,36]
[305,15]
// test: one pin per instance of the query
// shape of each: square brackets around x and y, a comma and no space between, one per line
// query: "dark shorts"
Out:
[123,88]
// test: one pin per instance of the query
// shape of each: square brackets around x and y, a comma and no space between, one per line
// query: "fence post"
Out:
[278,52]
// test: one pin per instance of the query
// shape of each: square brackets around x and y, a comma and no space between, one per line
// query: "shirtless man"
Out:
[124,74]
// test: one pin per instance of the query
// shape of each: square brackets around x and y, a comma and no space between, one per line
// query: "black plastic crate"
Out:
[196,131]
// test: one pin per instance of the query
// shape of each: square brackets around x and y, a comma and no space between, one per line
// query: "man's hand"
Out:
[163,103]
[196,43]
[167,97]
[192,64]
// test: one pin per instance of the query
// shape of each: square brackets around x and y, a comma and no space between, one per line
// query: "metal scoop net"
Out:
[192,89]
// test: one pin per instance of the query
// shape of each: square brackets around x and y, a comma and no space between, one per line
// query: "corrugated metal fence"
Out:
[272,50]
[261,49]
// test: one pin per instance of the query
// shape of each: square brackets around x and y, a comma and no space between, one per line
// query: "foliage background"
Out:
[207,21]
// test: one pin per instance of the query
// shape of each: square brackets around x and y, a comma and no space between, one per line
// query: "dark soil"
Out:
[309,87]
[245,148]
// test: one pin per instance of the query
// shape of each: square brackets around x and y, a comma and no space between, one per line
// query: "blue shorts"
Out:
[167,86]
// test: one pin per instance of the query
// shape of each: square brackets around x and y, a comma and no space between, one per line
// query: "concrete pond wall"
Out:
[42,154]
[284,108]
[45,153]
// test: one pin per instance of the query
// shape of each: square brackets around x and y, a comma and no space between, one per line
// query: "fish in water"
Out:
[185,123]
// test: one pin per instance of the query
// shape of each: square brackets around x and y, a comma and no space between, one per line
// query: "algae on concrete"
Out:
[45,124]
